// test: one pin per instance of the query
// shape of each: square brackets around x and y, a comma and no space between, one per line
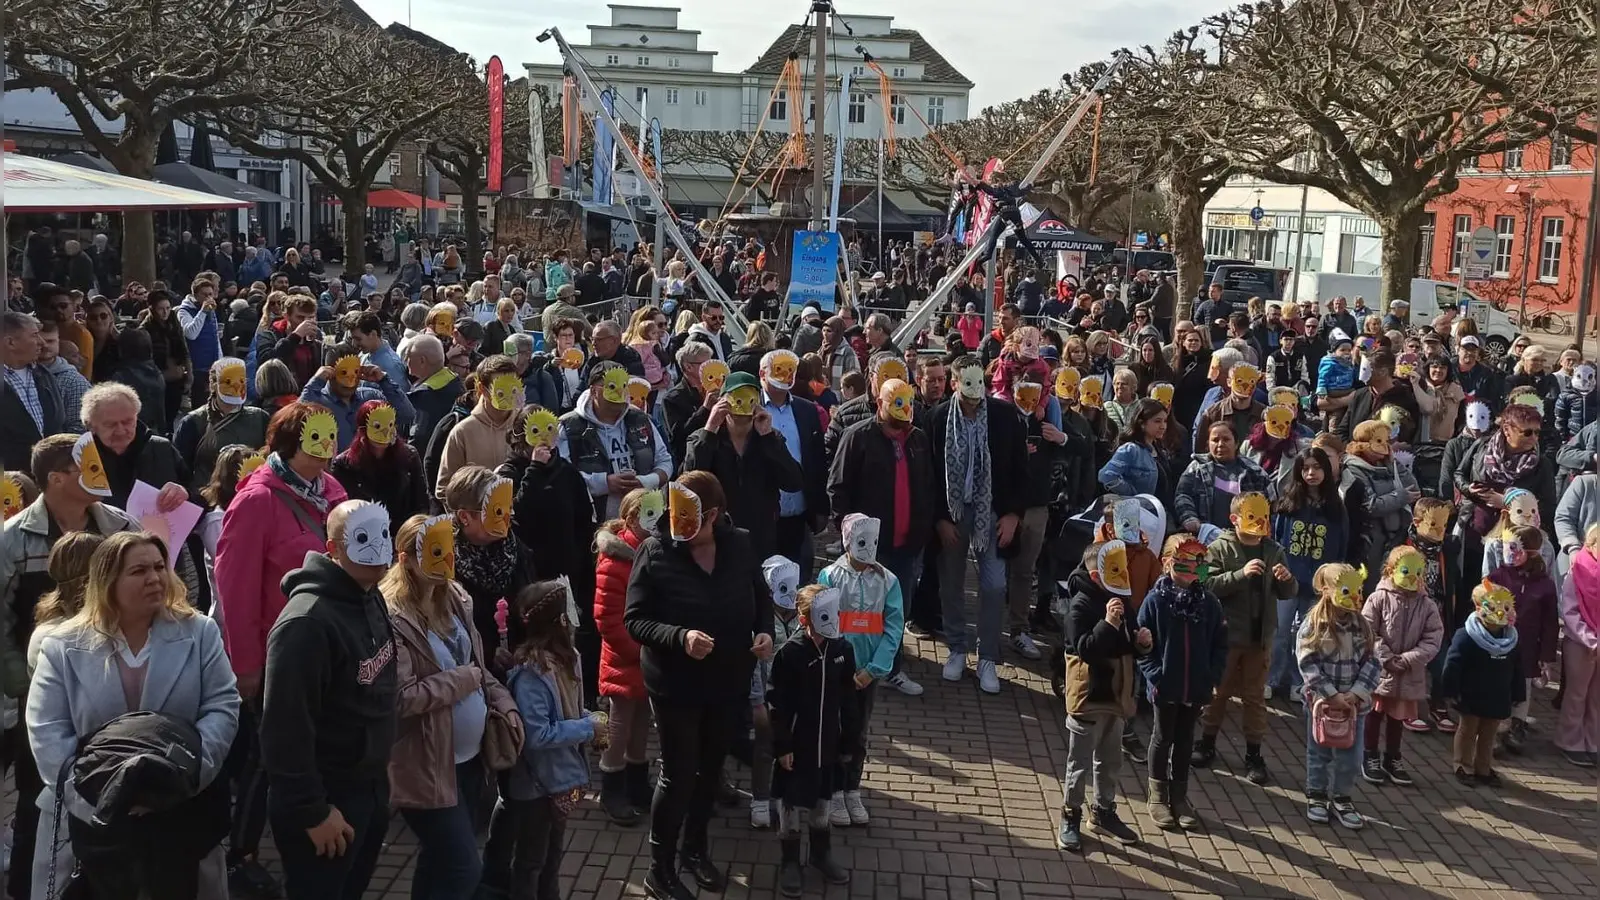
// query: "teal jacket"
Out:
[871,612]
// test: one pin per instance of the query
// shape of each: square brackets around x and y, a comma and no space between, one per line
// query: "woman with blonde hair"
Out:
[135,645]
[69,569]
[757,342]
[437,772]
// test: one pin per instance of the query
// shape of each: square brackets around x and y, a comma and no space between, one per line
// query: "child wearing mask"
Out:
[625,786]
[1334,649]
[872,619]
[1251,575]
[782,576]
[1101,642]
[1188,647]
[813,702]
[1578,736]
[1579,403]
[1525,575]
[1483,676]
[1310,526]
[1408,634]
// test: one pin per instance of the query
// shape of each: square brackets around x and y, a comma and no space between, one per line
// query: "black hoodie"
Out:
[330,691]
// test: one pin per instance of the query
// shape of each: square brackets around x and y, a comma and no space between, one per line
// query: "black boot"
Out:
[641,788]
[822,857]
[791,877]
[614,798]
[705,872]
[662,883]
[1205,752]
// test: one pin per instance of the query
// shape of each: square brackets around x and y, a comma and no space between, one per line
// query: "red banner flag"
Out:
[496,76]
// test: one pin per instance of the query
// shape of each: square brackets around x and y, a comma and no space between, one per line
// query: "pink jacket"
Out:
[262,539]
[1580,599]
[1405,624]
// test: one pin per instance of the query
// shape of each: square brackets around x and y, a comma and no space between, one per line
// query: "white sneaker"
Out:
[1266,692]
[955,666]
[1025,645]
[838,816]
[761,814]
[853,806]
[988,677]
[902,682]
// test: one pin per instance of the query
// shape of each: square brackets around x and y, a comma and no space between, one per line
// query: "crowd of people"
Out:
[462,540]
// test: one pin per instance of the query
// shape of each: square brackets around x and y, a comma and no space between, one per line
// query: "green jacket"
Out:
[1248,601]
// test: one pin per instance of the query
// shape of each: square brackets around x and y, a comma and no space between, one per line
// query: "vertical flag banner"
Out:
[815,270]
[496,76]
[538,169]
[603,150]
[571,124]
[655,141]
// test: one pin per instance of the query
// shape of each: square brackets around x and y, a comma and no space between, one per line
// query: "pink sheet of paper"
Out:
[173,528]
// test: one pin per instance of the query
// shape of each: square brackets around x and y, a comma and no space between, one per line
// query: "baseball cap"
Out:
[1399,304]
[1471,340]
[877,275]
[810,312]
[1048,351]
[736,380]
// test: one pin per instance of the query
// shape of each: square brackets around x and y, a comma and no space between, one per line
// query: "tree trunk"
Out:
[472,257]
[1188,239]
[355,228]
[1401,232]
[138,226]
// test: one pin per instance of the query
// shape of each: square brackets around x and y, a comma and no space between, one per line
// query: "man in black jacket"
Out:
[686,405]
[739,445]
[1381,389]
[802,513]
[590,286]
[861,409]
[607,345]
[30,400]
[329,721]
[980,457]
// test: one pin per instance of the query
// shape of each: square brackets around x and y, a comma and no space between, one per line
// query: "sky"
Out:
[1008,50]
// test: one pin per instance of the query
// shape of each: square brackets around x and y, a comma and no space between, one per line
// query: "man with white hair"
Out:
[107,267]
[127,449]
[606,345]
[686,406]
[1222,363]
[434,388]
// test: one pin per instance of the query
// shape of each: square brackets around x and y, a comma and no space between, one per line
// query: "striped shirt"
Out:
[21,381]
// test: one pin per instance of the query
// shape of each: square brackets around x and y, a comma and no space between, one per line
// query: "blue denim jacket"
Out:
[553,759]
[1131,470]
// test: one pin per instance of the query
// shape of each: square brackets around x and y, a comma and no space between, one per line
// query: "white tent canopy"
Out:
[40,185]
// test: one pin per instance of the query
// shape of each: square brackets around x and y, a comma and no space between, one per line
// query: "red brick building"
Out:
[1537,198]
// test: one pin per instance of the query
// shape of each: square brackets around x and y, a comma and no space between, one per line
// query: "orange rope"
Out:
[1094,146]
[949,154]
[1036,135]
[761,122]
[886,98]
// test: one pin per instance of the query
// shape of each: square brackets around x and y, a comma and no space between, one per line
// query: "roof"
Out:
[935,66]
[410,34]
[865,212]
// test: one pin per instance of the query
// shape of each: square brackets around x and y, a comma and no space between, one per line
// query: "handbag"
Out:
[502,725]
[1332,728]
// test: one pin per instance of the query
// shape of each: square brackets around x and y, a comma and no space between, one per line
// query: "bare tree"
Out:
[372,90]
[126,70]
[457,143]
[1349,96]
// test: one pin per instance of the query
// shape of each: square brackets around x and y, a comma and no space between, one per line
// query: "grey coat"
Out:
[1579,508]
[77,689]
[1388,507]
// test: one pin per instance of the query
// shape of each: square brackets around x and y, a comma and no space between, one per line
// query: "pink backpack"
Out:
[1332,728]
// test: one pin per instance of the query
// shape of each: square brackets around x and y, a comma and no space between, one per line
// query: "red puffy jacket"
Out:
[619,653]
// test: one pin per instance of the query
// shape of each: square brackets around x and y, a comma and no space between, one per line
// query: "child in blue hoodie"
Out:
[1189,645]
[872,619]
[540,791]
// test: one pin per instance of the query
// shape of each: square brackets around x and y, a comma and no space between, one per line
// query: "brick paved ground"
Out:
[964,791]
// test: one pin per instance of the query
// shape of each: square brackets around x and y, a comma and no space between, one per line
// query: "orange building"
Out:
[1537,198]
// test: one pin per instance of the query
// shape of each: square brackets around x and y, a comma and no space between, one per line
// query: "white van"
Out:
[1428,297]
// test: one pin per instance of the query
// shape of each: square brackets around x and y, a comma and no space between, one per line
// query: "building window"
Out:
[612,59]
[897,108]
[1470,164]
[672,62]
[780,106]
[672,96]
[1463,239]
[1506,229]
[1424,262]
[897,72]
[394,166]
[422,165]
[857,71]
[858,108]
[935,111]
[639,93]
[701,97]
[1511,160]
[1560,152]
[643,61]
[1550,249]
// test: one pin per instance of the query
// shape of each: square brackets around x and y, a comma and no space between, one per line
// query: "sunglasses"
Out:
[1528,432]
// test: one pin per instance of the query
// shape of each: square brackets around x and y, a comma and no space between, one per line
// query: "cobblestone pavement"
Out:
[964,791]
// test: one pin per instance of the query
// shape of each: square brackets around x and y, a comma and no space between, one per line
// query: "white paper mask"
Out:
[861,537]
[651,508]
[783,579]
[1522,508]
[1366,369]
[1478,416]
[825,612]
[971,382]
[1583,378]
[366,536]
[1125,516]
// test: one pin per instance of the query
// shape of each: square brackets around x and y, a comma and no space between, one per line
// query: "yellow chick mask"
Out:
[1161,392]
[505,392]
[1496,607]
[1111,564]
[683,512]
[651,507]
[539,428]
[320,435]
[614,385]
[742,401]
[1279,421]
[91,471]
[1091,392]
[231,381]
[1348,588]
[1432,521]
[10,496]
[436,547]
[1027,395]
[497,507]
[1242,379]
[1284,396]
[780,366]
[347,372]
[381,427]
[249,464]
[887,370]
[712,374]
[1408,570]
[1068,381]
[638,393]
[900,402]
[572,358]
[1255,516]
[444,323]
